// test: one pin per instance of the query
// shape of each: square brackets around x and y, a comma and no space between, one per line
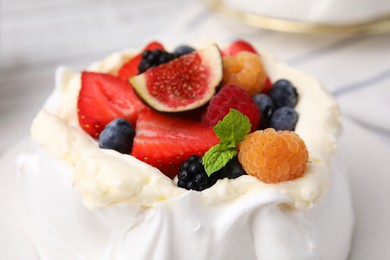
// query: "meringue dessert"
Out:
[206,153]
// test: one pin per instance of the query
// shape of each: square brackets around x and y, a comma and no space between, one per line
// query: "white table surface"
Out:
[38,35]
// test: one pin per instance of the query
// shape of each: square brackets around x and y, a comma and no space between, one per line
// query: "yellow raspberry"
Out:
[273,156]
[246,71]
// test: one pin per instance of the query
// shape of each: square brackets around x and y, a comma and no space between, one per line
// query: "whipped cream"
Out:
[83,202]
[259,225]
[106,177]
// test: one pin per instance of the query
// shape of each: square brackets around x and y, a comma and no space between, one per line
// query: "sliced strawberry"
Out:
[130,68]
[237,46]
[104,97]
[165,142]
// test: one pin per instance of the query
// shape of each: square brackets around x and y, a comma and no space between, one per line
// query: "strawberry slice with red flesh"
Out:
[165,142]
[237,46]
[130,68]
[103,98]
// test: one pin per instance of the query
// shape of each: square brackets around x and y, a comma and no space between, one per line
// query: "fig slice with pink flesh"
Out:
[183,84]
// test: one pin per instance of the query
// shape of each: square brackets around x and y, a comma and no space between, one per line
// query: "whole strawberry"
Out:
[238,46]
[231,96]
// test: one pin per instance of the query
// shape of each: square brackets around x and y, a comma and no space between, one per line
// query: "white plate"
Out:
[366,158]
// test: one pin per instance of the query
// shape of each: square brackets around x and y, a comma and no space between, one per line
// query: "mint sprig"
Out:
[231,130]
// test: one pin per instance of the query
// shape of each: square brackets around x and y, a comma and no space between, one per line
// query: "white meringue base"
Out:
[259,225]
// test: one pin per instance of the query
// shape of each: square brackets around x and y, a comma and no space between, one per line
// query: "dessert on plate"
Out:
[214,152]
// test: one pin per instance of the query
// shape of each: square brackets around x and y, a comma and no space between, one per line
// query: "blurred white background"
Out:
[38,35]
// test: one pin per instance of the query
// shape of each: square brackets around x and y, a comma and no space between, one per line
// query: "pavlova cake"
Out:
[208,153]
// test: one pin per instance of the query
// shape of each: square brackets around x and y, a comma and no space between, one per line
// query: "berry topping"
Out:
[245,70]
[183,49]
[232,170]
[165,141]
[284,118]
[199,153]
[118,135]
[231,96]
[266,106]
[103,98]
[192,175]
[154,58]
[283,93]
[273,156]
[237,47]
[182,84]
[130,68]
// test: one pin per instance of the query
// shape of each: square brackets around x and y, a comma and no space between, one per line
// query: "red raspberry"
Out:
[231,96]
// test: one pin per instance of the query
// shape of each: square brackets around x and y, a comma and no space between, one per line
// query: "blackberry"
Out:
[266,107]
[154,58]
[118,135]
[192,175]
[283,93]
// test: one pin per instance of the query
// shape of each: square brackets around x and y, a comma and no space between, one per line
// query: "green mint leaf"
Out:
[227,144]
[233,128]
[217,157]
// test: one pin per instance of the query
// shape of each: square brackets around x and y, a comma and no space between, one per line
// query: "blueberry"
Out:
[118,135]
[283,93]
[183,49]
[284,118]
[266,107]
